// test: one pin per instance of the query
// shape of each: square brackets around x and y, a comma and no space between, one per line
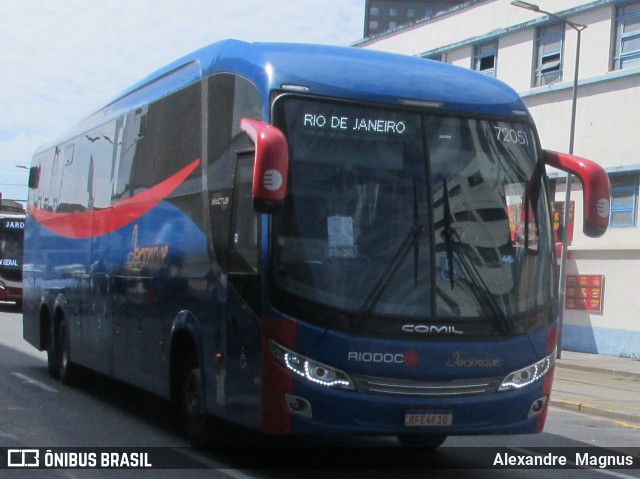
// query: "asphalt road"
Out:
[37,411]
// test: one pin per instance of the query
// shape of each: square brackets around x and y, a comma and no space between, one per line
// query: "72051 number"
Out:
[511,135]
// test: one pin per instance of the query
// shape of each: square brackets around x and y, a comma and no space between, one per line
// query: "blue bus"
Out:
[306,240]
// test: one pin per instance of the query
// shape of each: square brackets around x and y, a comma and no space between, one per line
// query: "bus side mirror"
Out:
[271,166]
[34,177]
[595,187]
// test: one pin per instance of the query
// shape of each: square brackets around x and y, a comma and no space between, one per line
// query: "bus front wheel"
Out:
[193,409]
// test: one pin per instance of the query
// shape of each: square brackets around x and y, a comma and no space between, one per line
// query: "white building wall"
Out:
[515,58]
[607,131]
[461,57]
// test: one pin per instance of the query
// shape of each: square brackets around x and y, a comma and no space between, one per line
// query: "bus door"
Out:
[244,298]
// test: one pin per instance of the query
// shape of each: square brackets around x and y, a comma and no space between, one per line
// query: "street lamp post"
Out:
[572,130]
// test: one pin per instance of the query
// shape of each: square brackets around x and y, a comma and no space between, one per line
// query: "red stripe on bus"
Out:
[275,416]
[98,222]
[552,342]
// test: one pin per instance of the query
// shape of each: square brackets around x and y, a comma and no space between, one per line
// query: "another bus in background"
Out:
[12,216]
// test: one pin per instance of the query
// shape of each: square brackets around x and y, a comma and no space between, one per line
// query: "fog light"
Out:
[537,406]
[298,405]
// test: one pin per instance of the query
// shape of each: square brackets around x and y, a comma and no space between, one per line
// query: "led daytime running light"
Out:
[310,370]
[529,375]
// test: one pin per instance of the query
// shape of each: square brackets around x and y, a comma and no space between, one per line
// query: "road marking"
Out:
[603,417]
[34,382]
[236,474]
[8,435]
[626,424]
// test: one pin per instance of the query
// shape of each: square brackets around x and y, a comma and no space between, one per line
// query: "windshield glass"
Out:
[403,214]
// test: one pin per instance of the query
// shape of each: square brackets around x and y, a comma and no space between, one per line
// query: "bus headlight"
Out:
[525,376]
[309,369]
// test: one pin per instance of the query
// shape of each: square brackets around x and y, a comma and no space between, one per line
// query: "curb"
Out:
[598,411]
[593,369]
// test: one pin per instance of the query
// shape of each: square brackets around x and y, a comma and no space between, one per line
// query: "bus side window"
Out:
[244,241]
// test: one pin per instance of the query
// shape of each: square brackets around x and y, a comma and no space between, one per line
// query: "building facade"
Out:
[537,54]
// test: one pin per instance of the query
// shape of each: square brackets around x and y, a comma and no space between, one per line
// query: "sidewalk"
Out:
[606,386]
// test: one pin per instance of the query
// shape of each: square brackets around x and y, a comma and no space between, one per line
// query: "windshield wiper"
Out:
[448,232]
[417,231]
[410,240]
[452,243]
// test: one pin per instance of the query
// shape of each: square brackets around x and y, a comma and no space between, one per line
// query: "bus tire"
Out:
[52,361]
[193,409]
[67,371]
[53,358]
[422,441]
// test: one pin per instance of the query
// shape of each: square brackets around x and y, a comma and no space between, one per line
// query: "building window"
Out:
[373,25]
[393,12]
[627,37]
[485,58]
[624,198]
[548,67]
[374,11]
[411,12]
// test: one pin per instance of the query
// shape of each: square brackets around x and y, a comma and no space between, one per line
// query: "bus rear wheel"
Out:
[53,359]
[66,370]
[422,441]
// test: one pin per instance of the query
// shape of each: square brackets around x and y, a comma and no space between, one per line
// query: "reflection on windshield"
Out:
[485,167]
[364,228]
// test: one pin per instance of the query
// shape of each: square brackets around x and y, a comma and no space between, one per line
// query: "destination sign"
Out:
[354,123]
[8,224]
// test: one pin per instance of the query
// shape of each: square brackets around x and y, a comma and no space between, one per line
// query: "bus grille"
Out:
[410,388]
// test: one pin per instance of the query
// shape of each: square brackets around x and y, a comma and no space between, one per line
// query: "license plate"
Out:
[428,418]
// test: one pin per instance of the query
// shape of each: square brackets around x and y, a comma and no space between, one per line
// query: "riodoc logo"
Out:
[272,180]
[409,358]
[603,207]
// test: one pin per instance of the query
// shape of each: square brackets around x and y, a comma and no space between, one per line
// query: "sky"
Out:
[61,60]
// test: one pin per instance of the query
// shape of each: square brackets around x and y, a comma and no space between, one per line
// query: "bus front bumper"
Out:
[307,409]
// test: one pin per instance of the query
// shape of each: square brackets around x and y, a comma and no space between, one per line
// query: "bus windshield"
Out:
[407,215]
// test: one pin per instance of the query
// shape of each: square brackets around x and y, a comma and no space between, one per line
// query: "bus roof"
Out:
[342,72]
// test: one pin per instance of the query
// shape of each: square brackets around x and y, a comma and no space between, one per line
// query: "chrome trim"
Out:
[411,388]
